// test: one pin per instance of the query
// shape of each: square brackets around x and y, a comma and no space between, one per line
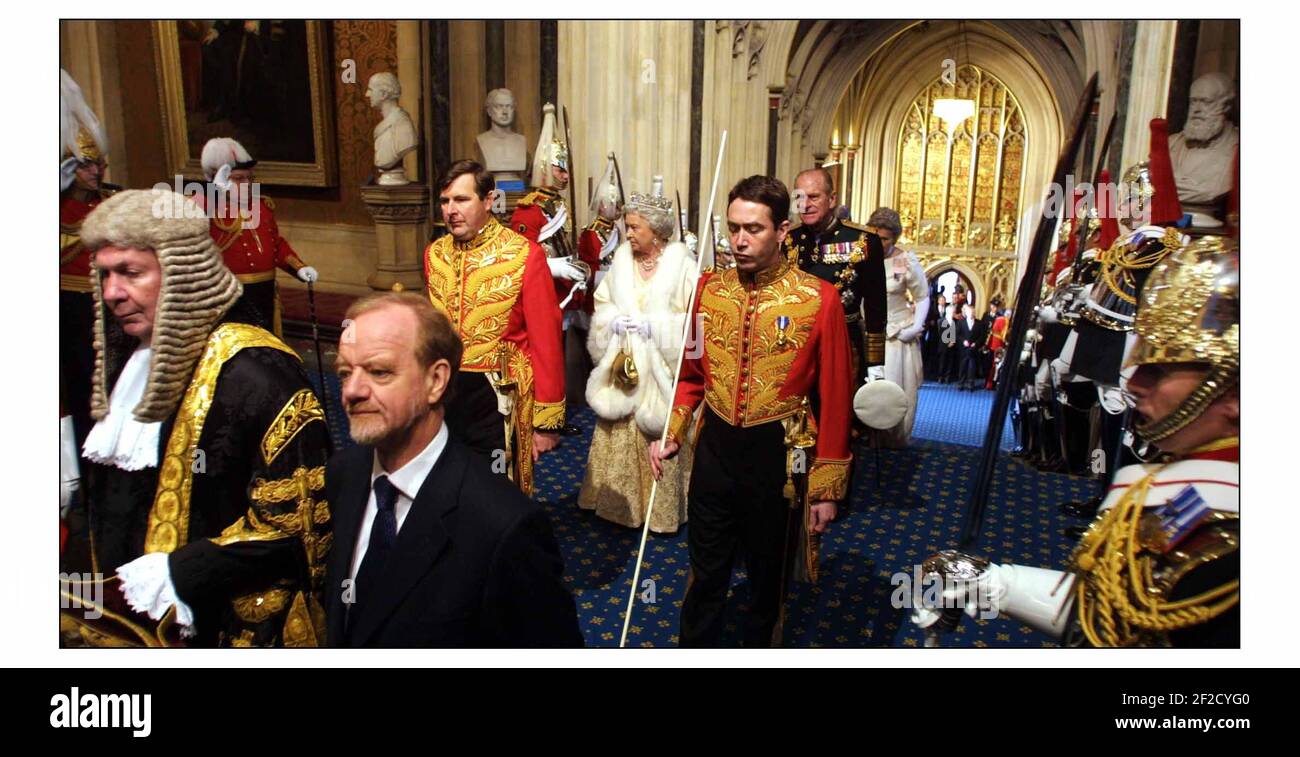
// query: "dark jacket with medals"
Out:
[852,259]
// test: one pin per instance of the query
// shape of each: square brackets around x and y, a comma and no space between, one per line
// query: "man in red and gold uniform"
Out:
[545,218]
[775,372]
[82,164]
[496,288]
[244,228]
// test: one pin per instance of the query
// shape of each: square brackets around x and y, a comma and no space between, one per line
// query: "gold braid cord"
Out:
[1119,603]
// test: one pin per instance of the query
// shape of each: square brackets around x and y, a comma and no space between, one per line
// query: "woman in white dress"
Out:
[908,295]
[640,309]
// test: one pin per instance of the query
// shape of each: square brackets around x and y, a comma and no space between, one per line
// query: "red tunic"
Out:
[497,291]
[253,248]
[74,259]
[751,371]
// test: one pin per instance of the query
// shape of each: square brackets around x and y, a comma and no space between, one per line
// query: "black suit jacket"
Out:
[475,563]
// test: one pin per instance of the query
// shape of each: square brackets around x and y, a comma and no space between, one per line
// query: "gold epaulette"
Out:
[599,225]
[857,226]
[540,196]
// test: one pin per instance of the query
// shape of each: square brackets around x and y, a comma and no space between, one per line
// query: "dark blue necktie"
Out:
[383,534]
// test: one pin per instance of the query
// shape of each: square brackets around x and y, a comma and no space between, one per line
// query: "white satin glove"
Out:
[624,324]
[643,328]
[563,270]
[308,274]
[909,334]
[1038,597]
[67,173]
[875,373]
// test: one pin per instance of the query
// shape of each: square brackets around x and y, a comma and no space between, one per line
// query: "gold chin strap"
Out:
[1215,385]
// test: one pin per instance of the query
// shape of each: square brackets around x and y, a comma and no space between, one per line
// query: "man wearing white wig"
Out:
[208,455]
[244,228]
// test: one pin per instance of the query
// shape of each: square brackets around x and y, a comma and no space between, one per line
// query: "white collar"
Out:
[410,477]
[119,439]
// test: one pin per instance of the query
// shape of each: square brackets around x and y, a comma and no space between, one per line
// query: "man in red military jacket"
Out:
[496,288]
[544,217]
[244,228]
[771,336]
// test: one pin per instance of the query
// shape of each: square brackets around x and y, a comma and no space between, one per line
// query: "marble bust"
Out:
[1202,152]
[395,136]
[504,151]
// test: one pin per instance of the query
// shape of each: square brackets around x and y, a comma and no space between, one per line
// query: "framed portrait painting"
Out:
[263,82]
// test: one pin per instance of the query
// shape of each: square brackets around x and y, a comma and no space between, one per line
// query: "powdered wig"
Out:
[197,291]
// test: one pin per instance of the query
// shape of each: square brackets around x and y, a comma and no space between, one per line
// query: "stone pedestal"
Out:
[401,216]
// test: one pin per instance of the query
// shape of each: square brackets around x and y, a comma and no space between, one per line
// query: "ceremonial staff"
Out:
[573,204]
[1030,285]
[677,375]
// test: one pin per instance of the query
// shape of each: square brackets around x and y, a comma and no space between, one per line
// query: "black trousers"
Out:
[736,507]
[261,297]
[970,364]
[472,415]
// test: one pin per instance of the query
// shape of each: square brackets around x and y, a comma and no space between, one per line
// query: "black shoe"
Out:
[1082,508]
[570,430]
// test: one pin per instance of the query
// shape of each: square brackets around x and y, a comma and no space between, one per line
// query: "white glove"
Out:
[624,324]
[909,334]
[692,243]
[308,274]
[1048,315]
[67,172]
[1037,597]
[562,269]
[875,373]
[643,328]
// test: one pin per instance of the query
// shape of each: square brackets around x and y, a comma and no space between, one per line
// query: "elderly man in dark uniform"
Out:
[850,257]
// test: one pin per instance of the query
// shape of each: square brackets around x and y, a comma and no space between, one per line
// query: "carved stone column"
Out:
[401,216]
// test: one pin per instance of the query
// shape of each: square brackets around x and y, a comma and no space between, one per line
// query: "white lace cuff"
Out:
[147,585]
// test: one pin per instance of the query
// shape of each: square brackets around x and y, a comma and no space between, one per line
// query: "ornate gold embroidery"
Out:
[261,606]
[477,286]
[745,348]
[828,480]
[678,423]
[301,409]
[794,296]
[548,416]
[169,520]
[285,489]
[305,624]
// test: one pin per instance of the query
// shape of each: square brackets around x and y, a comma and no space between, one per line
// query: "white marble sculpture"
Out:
[1202,152]
[503,150]
[395,136]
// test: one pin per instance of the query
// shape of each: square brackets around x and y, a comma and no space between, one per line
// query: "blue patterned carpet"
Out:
[916,510]
[945,414]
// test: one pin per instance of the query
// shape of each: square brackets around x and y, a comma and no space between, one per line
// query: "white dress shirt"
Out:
[407,480]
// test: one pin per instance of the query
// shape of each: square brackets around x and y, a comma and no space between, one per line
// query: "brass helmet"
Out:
[1189,312]
[1136,191]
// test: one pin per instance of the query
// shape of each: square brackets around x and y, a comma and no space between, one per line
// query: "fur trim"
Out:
[656,358]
